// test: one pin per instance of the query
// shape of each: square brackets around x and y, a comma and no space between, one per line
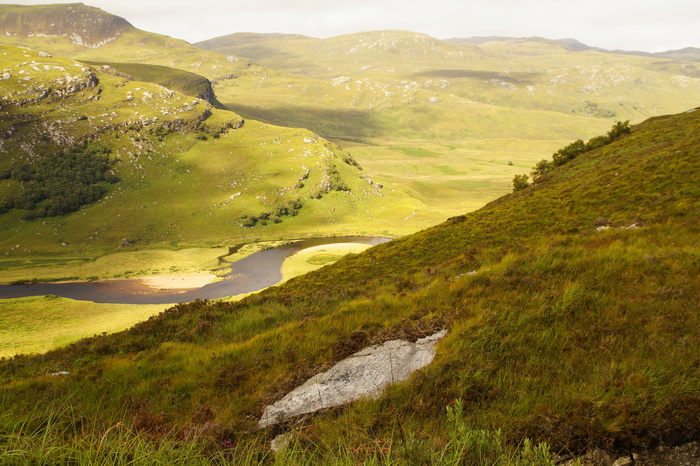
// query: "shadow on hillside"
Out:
[514,78]
[328,123]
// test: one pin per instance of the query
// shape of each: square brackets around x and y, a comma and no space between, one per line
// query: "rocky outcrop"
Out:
[364,374]
[58,88]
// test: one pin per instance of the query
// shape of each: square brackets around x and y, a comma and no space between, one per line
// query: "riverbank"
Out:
[46,321]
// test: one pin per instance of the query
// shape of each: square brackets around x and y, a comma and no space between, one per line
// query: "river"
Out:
[252,273]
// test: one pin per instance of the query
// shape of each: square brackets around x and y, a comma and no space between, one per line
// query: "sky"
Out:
[646,25]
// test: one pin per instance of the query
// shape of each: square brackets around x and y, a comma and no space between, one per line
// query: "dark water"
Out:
[251,273]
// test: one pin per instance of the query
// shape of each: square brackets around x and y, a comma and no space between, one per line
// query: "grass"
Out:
[65,437]
[42,323]
[313,258]
[558,332]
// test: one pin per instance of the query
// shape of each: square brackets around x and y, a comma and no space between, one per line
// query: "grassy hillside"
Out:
[172,78]
[476,113]
[449,124]
[570,307]
[181,173]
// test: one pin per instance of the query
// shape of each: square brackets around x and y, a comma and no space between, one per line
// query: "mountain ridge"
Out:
[686,53]
[84,25]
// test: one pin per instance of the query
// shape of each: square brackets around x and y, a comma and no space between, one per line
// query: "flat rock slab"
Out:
[364,374]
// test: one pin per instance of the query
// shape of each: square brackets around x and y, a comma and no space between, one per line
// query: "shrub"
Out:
[520,182]
[542,168]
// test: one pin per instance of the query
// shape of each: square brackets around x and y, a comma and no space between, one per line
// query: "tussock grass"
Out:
[64,437]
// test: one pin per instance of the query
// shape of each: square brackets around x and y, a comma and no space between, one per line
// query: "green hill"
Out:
[447,124]
[177,171]
[451,122]
[172,78]
[571,309]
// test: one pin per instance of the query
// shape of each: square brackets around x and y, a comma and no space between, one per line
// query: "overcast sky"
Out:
[647,25]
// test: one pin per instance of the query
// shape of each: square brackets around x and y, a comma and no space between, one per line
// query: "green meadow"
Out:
[40,324]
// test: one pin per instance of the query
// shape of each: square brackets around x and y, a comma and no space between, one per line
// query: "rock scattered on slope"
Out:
[365,373]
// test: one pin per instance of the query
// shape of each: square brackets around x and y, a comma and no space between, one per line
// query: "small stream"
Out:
[252,273]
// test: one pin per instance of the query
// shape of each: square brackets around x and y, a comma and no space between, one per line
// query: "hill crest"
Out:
[85,25]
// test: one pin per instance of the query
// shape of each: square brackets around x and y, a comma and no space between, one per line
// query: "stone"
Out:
[281,442]
[623,461]
[364,374]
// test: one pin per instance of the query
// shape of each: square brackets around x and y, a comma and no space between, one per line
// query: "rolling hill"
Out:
[452,122]
[570,309]
[448,124]
[180,172]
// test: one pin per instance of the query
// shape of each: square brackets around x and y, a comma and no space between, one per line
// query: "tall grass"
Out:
[60,436]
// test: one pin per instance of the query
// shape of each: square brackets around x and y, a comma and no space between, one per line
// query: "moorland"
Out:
[569,303]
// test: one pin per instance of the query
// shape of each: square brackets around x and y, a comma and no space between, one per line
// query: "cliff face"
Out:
[87,26]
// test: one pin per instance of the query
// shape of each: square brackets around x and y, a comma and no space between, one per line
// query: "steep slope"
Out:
[570,307]
[172,78]
[183,172]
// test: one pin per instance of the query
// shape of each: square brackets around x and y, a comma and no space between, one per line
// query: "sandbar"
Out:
[179,281]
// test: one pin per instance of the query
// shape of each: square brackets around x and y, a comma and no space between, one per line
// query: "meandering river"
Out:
[252,273]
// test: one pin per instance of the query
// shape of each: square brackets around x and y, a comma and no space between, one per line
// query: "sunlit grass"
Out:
[313,258]
[42,323]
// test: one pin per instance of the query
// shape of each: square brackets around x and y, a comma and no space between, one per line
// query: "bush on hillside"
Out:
[570,152]
[520,182]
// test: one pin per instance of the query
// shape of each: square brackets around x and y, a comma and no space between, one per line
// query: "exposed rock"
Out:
[340,80]
[281,442]
[364,374]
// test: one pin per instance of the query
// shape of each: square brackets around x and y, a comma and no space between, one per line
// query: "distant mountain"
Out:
[82,25]
[86,33]
[687,54]
[242,38]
